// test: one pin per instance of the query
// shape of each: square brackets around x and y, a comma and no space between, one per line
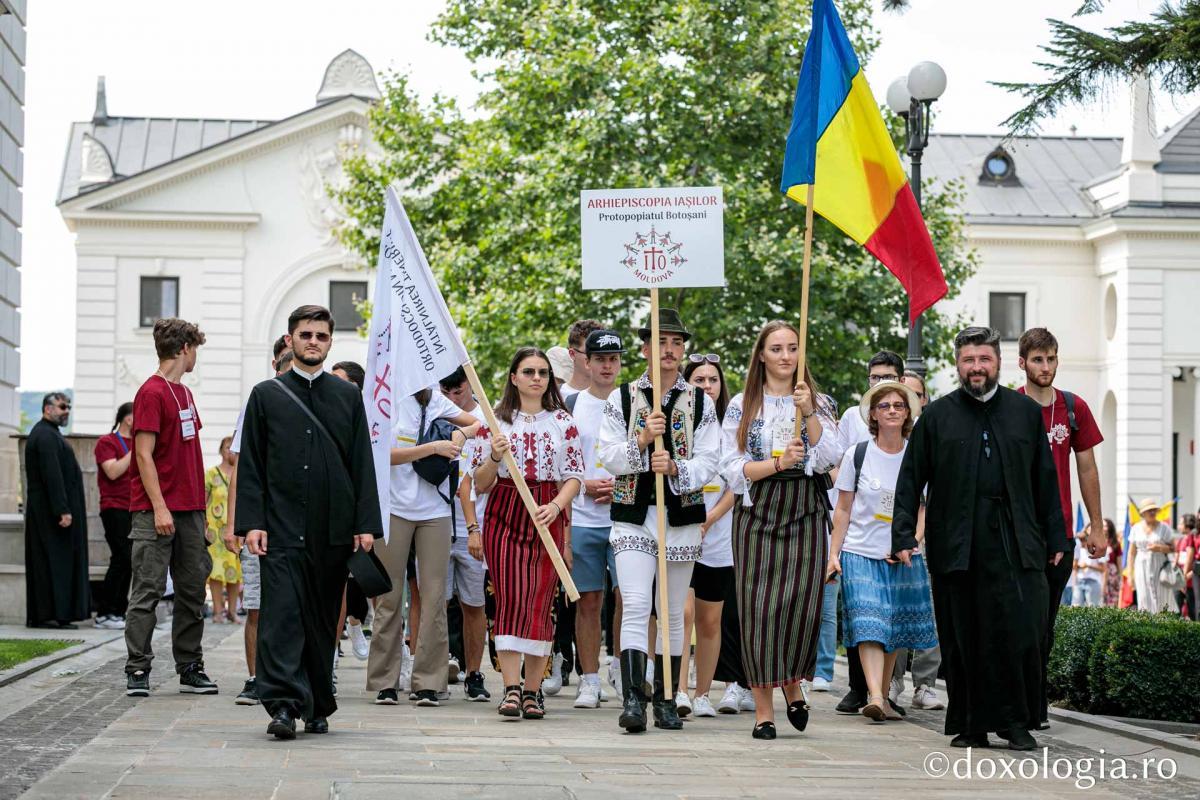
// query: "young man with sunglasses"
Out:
[687,423]
[56,561]
[306,501]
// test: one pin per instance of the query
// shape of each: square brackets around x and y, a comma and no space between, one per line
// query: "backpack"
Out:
[570,402]
[860,455]
[434,468]
[1070,401]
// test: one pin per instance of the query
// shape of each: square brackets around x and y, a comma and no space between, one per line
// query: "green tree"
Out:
[581,94]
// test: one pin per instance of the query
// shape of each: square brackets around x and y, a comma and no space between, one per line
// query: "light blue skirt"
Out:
[887,603]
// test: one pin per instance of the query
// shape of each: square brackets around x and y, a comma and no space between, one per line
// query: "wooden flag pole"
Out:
[660,506]
[514,472]
[802,359]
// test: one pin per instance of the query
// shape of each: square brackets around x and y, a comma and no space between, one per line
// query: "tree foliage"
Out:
[579,94]
[1165,48]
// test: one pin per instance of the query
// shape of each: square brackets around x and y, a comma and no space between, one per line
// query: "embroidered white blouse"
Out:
[621,455]
[777,412]
[546,445]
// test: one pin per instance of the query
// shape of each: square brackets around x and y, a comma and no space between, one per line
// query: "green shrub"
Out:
[1146,667]
[1075,632]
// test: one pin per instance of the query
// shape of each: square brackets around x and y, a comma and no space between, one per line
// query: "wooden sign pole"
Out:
[660,506]
[802,359]
[514,472]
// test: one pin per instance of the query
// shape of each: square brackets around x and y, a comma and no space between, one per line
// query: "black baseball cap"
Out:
[603,341]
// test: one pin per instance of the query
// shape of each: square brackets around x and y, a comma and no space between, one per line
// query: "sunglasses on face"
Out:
[306,336]
[874,379]
[530,372]
[697,358]
[63,407]
[897,406]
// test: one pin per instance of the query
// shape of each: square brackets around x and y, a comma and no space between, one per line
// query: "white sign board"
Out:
[646,238]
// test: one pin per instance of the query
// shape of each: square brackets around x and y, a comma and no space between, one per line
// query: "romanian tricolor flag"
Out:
[837,128]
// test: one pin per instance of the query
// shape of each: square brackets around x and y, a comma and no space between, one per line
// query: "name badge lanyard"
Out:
[187,417]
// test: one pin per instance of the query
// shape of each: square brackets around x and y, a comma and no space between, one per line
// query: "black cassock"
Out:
[992,507]
[56,558]
[312,497]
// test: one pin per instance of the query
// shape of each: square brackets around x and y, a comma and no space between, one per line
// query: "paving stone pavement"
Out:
[183,746]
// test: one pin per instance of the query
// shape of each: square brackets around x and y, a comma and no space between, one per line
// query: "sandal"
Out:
[873,710]
[510,706]
[531,708]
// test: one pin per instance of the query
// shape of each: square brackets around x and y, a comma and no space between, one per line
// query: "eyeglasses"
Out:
[874,379]
[529,372]
[896,406]
[698,358]
[306,336]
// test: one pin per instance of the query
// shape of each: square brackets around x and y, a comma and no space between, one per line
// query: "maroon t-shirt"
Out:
[1063,441]
[113,494]
[157,408]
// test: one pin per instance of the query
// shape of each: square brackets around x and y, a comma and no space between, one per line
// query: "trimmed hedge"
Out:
[1126,663]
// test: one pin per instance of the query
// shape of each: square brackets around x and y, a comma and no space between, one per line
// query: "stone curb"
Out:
[27,668]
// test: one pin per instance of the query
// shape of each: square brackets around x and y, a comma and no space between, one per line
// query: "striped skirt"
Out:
[521,572]
[779,557]
[887,603]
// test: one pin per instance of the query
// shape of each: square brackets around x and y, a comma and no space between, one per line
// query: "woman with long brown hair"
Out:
[779,528]
[536,428]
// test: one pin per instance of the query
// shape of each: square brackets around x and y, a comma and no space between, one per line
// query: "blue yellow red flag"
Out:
[837,129]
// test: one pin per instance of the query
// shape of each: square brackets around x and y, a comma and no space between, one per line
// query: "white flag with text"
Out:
[413,343]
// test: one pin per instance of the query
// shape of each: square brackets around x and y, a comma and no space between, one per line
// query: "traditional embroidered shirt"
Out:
[546,445]
[777,413]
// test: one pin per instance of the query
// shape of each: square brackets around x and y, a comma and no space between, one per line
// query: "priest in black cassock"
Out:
[56,557]
[993,520]
[306,500]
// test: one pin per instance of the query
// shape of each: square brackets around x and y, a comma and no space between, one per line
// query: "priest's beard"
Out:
[309,361]
[978,390]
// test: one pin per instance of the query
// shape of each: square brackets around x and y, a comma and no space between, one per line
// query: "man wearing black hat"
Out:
[591,525]
[687,423]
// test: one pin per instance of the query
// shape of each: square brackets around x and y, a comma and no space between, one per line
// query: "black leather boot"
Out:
[665,715]
[633,691]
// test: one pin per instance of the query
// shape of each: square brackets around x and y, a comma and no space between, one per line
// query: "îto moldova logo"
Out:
[654,257]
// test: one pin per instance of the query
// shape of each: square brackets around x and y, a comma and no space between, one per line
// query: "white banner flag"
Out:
[413,342]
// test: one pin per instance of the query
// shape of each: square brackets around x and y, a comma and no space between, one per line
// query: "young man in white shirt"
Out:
[590,521]
[465,576]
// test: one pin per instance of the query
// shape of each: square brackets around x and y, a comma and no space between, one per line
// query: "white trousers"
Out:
[636,573]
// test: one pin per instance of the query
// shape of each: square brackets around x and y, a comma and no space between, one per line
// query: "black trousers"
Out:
[1057,577]
[114,594]
[301,600]
[356,601]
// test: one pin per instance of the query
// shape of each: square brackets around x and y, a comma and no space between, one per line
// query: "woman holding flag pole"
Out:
[535,428]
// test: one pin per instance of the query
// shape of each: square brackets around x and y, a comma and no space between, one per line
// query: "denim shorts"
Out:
[591,554]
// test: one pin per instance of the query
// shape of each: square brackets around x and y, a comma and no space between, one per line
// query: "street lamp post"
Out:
[911,98]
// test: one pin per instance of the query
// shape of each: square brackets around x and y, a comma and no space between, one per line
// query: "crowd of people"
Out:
[930,537]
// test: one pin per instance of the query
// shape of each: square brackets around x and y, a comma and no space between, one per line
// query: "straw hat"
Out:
[1148,504]
[883,387]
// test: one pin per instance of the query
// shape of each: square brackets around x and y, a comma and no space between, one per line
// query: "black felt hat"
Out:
[668,322]
[369,571]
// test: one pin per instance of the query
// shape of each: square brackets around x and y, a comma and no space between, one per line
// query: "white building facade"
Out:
[12,138]
[226,223]
[1099,241]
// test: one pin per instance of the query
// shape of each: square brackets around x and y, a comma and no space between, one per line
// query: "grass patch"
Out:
[16,651]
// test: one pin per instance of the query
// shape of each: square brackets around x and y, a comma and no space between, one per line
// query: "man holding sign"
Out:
[688,427]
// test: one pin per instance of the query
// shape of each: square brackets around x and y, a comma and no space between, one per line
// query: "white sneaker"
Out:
[650,671]
[683,704]
[894,691]
[362,648]
[731,701]
[819,684]
[462,676]
[746,703]
[110,623]
[406,668]
[701,707]
[553,685]
[614,676]
[452,670]
[925,697]
[692,674]
[588,695]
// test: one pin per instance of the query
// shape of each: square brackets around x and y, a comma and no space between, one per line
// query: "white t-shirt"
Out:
[588,414]
[717,547]
[851,428]
[460,522]
[235,446]
[1084,560]
[870,532]
[413,497]
[566,390]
